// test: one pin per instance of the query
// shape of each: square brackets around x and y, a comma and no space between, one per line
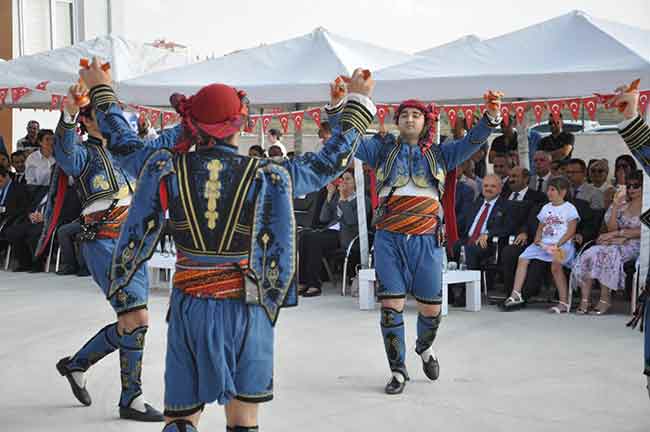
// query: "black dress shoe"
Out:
[394,386]
[80,393]
[431,368]
[83,272]
[151,415]
[66,270]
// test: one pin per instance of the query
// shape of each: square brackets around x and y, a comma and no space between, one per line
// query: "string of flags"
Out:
[539,107]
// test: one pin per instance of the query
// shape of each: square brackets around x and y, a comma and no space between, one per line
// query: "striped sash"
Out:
[410,215]
[220,282]
[110,229]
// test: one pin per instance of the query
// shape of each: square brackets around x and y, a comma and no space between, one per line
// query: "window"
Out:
[64,26]
[96,18]
[36,26]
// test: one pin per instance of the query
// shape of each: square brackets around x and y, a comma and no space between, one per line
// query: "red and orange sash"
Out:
[410,215]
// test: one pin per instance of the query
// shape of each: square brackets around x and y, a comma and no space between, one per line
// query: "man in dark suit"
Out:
[18,162]
[13,202]
[519,190]
[488,217]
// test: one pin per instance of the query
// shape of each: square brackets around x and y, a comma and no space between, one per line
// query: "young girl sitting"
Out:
[553,243]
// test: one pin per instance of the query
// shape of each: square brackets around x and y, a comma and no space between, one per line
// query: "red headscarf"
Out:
[425,142]
[216,110]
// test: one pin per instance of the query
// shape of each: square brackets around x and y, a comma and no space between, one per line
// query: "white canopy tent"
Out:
[61,66]
[449,47]
[292,71]
[570,55]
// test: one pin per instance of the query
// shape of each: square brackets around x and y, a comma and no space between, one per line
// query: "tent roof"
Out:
[61,66]
[449,47]
[570,55]
[294,70]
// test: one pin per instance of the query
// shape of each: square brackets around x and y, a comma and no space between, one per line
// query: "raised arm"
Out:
[634,130]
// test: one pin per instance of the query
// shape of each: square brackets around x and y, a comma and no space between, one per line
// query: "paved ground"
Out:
[521,371]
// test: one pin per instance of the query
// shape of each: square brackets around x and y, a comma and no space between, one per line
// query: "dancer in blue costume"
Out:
[411,179]
[233,225]
[636,133]
[105,189]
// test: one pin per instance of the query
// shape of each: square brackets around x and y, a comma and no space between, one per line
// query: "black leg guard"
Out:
[427,330]
[179,426]
[242,428]
[392,329]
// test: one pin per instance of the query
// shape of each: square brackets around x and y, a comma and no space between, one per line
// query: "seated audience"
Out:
[72,262]
[542,165]
[620,243]
[598,172]
[13,203]
[468,176]
[23,235]
[501,165]
[29,142]
[38,165]
[487,217]
[4,160]
[505,143]
[559,143]
[576,171]
[623,166]
[256,151]
[339,213]
[553,243]
[518,187]
[18,163]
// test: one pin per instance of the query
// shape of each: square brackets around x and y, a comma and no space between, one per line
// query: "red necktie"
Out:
[481,220]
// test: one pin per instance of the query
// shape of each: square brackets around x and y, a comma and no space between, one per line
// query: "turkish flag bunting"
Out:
[42,86]
[538,110]
[266,121]
[643,100]
[395,108]
[555,107]
[298,117]
[284,121]
[505,113]
[167,118]
[17,93]
[154,116]
[3,95]
[574,106]
[314,113]
[469,115]
[55,102]
[452,114]
[604,99]
[250,125]
[590,105]
[520,111]
[382,112]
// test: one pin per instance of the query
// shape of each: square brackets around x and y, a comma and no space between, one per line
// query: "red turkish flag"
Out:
[266,121]
[284,121]
[3,95]
[298,117]
[154,116]
[382,112]
[395,108]
[42,86]
[505,113]
[643,100]
[604,99]
[55,102]
[469,115]
[591,106]
[452,114]
[520,111]
[250,125]
[574,107]
[555,107]
[314,113]
[167,117]
[538,110]
[17,93]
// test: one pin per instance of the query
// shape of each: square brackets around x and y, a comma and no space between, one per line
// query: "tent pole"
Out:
[297,135]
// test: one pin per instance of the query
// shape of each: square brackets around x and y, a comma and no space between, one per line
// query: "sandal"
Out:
[602,311]
[584,307]
[312,292]
[560,308]
[514,301]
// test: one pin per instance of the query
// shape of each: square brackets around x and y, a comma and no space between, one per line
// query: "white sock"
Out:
[399,377]
[427,354]
[138,404]
[79,378]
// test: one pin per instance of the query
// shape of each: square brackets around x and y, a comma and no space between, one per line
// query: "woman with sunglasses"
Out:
[620,244]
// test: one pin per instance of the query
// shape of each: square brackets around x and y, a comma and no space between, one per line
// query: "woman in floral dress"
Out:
[621,243]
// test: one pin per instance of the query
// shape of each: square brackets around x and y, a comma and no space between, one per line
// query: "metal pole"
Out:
[359,178]
[297,136]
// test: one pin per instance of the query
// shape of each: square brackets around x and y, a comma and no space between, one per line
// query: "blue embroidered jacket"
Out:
[223,207]
[396,162]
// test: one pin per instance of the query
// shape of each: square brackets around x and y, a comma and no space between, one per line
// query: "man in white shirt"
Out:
[38,165]
[542,162]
